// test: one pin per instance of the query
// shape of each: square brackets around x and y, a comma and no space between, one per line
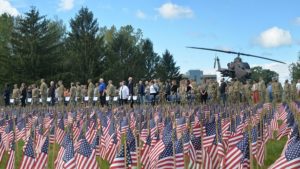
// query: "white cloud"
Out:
[140,14]
[274,37]
[173,11]
[6,7]
[65,5]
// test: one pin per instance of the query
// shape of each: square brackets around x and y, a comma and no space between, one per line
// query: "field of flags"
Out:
[150,137]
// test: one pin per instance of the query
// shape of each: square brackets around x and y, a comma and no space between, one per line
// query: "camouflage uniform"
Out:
[262,90]
[276,91]
[78,93]
[35,96]
[247,92]
[44,93]
[72,94]
[230,93]
[287,91]
[16,94]
[236,91]
[91,92]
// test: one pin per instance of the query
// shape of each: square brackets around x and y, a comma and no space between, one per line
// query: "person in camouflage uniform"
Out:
[78,93]
[247,92]
[110,91]
[230,92]
[209,89]
[90,93]
[262,90]
[16,94]
[43,92]
[35,95]
[214,94]
[287,91]
[236,91]
[60,92]
[276,90]
[72,94]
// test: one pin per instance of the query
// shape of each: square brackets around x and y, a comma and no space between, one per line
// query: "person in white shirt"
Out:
[153,92]
[298,87]
[123,93]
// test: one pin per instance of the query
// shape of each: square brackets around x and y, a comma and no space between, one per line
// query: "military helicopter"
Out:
[236,69]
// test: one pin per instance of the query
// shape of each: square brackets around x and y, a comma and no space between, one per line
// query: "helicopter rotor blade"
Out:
[237,53]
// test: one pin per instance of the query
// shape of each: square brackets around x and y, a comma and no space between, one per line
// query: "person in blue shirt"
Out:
[269,89]
[102,91]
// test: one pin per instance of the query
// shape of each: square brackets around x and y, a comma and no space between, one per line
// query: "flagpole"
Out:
[125,152]
[173,142]
[55,121]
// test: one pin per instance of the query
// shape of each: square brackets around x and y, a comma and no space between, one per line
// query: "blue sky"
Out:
[268,28]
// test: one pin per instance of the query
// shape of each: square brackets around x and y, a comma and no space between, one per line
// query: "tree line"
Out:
[34,47]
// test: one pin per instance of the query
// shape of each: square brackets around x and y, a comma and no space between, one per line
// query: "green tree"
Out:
[6,27]
[295,69]
[123,58]
[85,46]
[167,68]
[266,74]
[36,47]
[150,59]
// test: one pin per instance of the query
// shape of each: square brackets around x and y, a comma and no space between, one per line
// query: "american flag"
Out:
[52,135]
[144,131]
[166,158]
[197,127]
[76,130]
[234,156]
[2,125]
[119,161]
[131,144]
[96,144]
[42,158]
[209,134]
[69,157]
[8,134]
[40,139]
[235,135]
[60,131]
[85,157]
[58,162]
[153,128]
[195,151]
[179,156]
[2,148]
[20,130]
[113,146]
[145,152]
[161,144]
[290,158]
[124,125]
[106,139]
[180,125]
[11,159]
[254,140]
[91,133]
[28,158]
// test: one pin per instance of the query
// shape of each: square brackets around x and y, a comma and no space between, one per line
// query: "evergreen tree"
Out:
[167,68]
[35,48]
[85,46]
[150,59]
[6,27]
